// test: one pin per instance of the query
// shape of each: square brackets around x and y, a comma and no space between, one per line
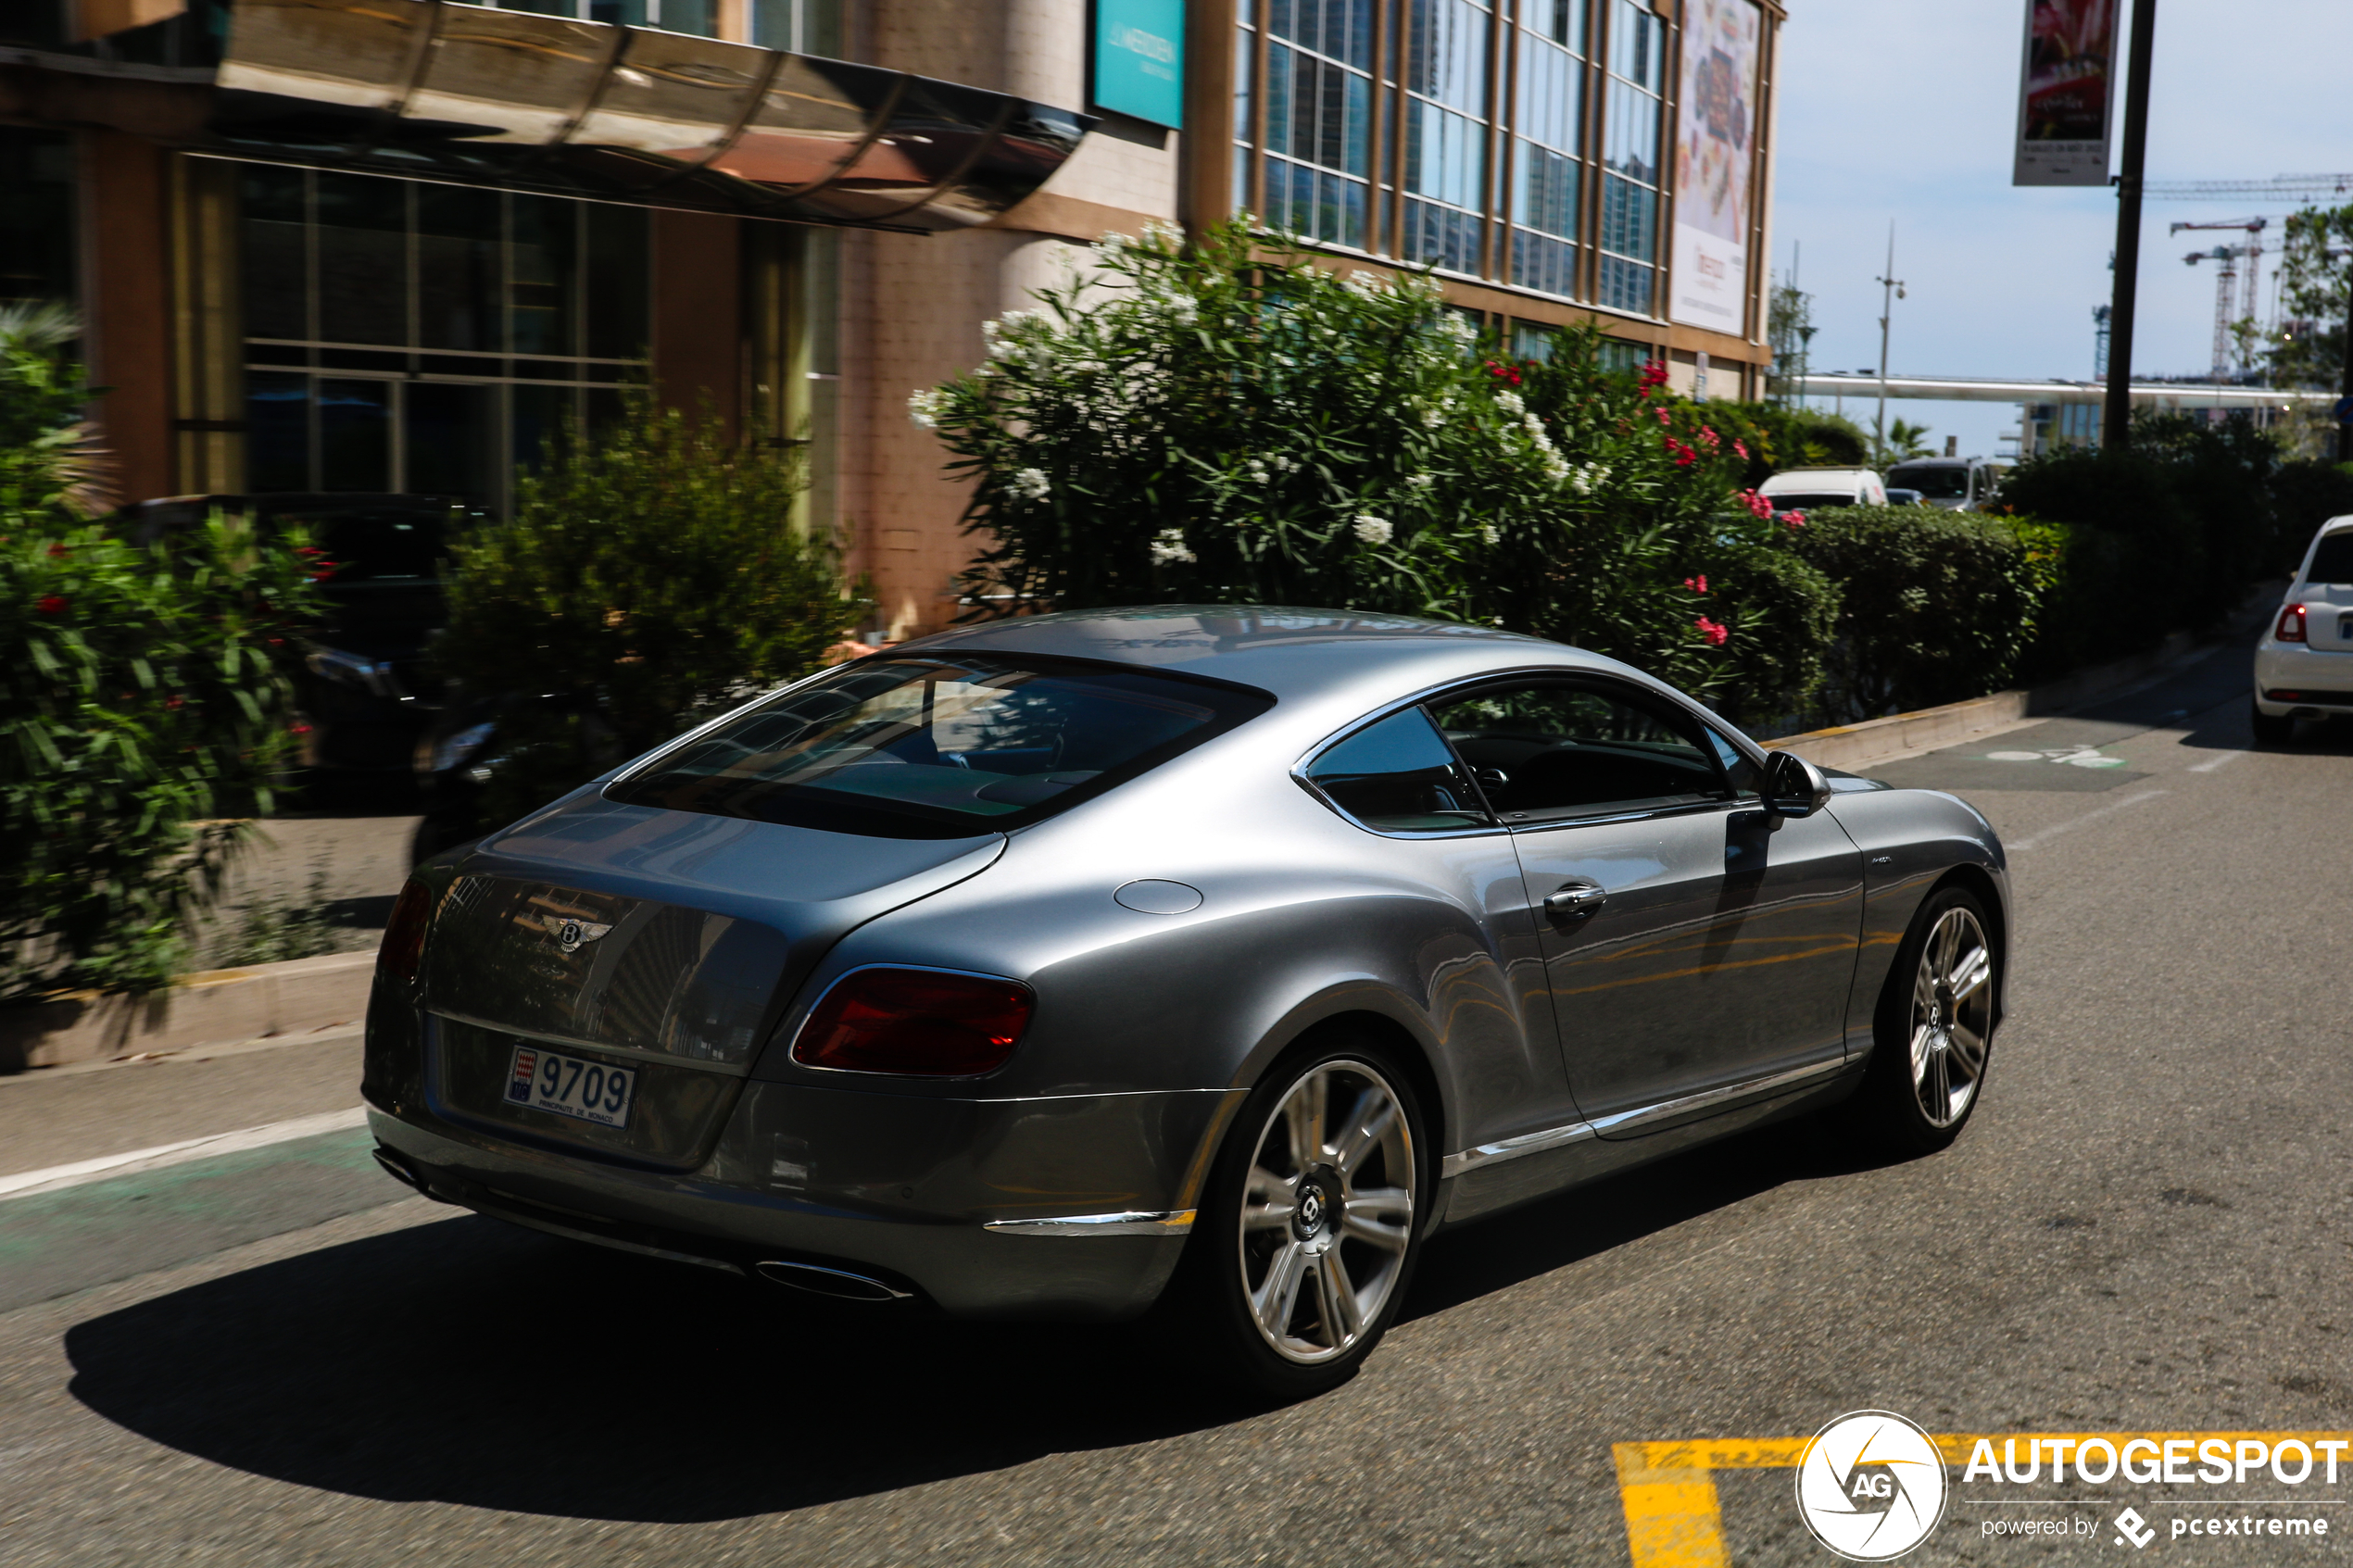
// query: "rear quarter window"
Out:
[2331,559]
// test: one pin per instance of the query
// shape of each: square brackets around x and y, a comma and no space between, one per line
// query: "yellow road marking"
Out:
[1667,1490]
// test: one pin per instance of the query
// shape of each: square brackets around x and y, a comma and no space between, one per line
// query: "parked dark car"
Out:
[364,686]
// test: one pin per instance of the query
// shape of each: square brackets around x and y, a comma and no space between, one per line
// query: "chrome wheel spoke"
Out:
[1336,1303]
[1277,1295]
[1268,1201]
[1368,1126]
[1974,970]
[1304,1115]
[1969,1047]
[1938,1096]
[1923,1049]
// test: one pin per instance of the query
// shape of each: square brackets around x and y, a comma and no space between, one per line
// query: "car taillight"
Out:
[2291,626]
[916,1021]
[404,943]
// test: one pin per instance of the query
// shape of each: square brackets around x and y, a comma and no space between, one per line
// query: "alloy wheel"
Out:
[1326,1211]
[1952,1019]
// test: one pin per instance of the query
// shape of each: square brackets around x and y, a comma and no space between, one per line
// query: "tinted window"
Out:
[2332,561]
[1738,769]
[390,544]
[1810,500]
[1543,750]
[943,747]
[1398,776]
[1939,483]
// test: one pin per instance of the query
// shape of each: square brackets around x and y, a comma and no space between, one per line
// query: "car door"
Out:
[1697,951]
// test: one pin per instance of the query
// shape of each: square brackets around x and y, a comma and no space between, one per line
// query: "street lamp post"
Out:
[1890,290]
[2116,422]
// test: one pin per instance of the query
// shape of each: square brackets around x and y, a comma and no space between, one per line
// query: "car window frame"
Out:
[1454,690]
[1637,697]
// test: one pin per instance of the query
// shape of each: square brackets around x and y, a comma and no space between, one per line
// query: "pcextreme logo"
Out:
[1871,1486]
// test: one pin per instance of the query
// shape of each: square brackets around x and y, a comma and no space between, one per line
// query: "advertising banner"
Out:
[1715,143]
[1139,59]
[2066,92]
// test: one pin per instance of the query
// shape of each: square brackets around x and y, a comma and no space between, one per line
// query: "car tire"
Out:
[1282,1294]
[1934,1031]
[2272,728]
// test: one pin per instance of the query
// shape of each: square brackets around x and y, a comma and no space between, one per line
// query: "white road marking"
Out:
[2036,840]
[57,1177]
[2224,761]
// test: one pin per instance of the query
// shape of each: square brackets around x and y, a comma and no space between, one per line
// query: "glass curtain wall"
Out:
[673,16]
[1426,129]
[402,336]
[1632,116]
[1447,115]
[1548,175]
[1319,98]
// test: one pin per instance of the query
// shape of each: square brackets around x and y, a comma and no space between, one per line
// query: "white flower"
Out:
[1168,544]
[1557,469]
[1584,480]
[1030,484]
[1535,428]
[1420,481]
[923,405]
[1490,534]
[1255,472]
[1363,282]
[1433,417]
[1373,530]
[1509,401]
[1109,243]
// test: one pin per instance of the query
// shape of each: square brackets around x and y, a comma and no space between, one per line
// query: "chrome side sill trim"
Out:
[1626,1120]
[665,1058]
[1165,1222]
[1512,1149]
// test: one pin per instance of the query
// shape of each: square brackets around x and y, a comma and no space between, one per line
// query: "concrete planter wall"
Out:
[215,1007]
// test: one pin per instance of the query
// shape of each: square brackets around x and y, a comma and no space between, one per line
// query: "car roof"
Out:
[1290,651]
[1814,475]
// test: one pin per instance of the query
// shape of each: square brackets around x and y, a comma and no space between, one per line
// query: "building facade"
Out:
[324,245]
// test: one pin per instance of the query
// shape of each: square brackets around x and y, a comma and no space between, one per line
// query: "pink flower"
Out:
[1654,373]
[59,552]
[1739,448]
[1794,521]
[1696,584]
[1708,438]
[51,604]
[1757,505]
[1715,632]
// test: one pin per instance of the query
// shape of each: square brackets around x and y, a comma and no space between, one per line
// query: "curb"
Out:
[1848,746]
[210,1008]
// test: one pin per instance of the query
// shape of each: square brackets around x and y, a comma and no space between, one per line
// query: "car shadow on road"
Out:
[465,1361]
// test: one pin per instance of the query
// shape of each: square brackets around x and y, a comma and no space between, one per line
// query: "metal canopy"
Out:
[433,90]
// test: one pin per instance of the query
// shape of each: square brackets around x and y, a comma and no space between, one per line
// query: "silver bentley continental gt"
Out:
[1194,960]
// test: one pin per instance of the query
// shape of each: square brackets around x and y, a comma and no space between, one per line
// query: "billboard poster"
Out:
[1139,65]
[2066,92]
[1715,147]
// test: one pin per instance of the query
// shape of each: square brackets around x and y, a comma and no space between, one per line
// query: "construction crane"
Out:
[2226,275]
[2287,190]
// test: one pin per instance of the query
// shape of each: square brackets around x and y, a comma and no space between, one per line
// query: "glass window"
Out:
[363,258]
[36,214]
[1745,776]
[1935,481]
[1548,174]
[1446,134]
[942,748]
[1399,776]
[457,266]
[1631,158]
[1549,750]
[2333,560]
[1318,118]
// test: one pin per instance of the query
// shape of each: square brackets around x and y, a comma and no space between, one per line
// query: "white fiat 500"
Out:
[2304,665]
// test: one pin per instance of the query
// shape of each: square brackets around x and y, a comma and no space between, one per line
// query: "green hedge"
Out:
[1934,607]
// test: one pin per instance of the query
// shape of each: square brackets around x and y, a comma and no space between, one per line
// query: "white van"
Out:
[1805,489]
[1957,485]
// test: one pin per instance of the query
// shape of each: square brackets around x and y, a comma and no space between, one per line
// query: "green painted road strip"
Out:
[53,1244]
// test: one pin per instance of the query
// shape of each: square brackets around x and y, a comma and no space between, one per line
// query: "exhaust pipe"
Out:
[837,1283]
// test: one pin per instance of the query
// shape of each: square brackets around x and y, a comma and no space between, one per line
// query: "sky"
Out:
[1906,110]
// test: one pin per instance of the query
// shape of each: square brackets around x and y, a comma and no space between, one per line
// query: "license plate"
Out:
[587,1091]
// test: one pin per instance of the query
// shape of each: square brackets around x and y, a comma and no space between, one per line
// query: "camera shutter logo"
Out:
[1871,1486]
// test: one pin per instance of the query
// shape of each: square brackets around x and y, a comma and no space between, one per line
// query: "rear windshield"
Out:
[940,746]
[2333,562]
[1939,483]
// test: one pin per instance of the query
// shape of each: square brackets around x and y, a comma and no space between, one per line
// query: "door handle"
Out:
[1576,900]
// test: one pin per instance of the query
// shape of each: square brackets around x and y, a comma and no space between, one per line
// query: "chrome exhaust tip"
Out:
[396,1170]
[837,1283]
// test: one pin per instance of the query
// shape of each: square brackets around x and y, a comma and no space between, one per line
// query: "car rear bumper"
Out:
[900,1189]
[2296,680]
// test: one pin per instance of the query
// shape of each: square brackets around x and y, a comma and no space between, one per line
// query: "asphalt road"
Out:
[274,1357]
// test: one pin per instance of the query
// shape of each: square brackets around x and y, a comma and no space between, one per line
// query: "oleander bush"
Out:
[651,573]
[1227,420]
[145,704]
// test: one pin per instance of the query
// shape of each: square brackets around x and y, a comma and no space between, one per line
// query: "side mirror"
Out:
[1793,787]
